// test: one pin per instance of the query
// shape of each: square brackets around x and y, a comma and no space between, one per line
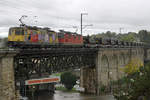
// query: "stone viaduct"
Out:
[109,62]
[109,67]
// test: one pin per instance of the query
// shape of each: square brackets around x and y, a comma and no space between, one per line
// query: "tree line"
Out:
[141,36]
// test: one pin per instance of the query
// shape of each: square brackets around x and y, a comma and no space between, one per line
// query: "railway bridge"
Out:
[98,66]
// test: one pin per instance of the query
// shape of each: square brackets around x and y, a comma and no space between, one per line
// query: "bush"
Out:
[135,86]
[68,79]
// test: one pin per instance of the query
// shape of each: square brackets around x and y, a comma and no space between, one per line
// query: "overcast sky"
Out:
[105,15]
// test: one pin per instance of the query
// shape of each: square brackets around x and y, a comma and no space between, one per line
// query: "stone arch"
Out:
[114,62]
[113,72]
[104,70]
[105,63]
[140,54]
[122,60]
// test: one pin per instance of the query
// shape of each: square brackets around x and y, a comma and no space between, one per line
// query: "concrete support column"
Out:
[88,80]
[81,77]
[98,74]
[7,83]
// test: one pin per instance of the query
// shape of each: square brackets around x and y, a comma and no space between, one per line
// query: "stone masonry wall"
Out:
[7,86]
[109,65]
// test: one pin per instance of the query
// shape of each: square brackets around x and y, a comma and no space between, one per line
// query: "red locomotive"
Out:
[69,38]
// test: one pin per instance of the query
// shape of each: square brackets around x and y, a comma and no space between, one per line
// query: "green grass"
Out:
[57,74]
[65,90]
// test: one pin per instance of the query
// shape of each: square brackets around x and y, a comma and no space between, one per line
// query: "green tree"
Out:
[135,85]
[109,34]
[144,36]
[133,66]
[68,79]
[129,37]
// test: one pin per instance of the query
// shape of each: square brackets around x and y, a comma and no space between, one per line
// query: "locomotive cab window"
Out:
[22,32]
[19,32]
[10,31]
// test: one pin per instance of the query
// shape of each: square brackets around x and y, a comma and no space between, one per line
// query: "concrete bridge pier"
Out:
[7,83]
[88,80]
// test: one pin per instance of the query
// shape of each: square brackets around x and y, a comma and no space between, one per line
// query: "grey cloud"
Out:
[103,14]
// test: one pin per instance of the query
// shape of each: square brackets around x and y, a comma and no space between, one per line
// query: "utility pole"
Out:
[120,30]
[81,20]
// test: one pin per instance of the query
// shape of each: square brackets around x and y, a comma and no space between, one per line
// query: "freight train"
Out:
[45,37]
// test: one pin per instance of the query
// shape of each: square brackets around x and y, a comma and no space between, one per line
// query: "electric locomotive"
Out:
[35,36]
